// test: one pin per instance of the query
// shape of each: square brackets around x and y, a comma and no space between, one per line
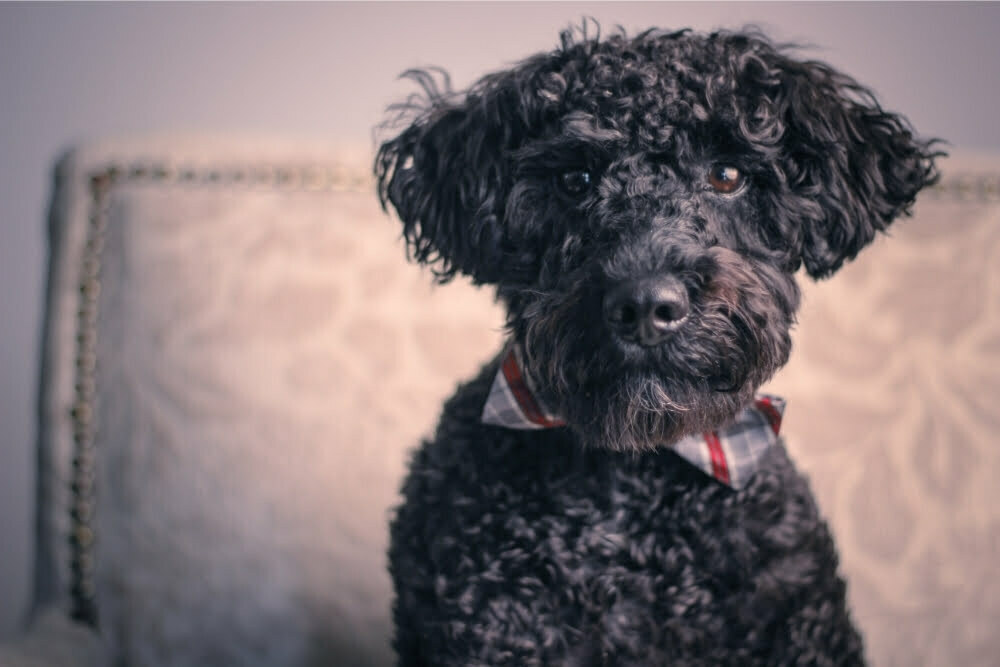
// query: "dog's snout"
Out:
[648,310]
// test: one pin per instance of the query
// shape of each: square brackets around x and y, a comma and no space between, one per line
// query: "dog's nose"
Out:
[648,310]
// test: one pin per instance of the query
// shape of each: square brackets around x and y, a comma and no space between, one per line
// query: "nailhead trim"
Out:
[981,187]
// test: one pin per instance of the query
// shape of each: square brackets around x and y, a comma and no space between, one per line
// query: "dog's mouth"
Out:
[728,379]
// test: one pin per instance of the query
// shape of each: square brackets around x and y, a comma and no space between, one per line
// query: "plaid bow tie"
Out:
[730,454]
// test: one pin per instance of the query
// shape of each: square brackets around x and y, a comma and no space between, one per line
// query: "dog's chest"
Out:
[607,549]
[526,534]
[599,527]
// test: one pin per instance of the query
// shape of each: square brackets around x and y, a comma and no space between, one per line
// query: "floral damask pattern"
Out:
[267,358]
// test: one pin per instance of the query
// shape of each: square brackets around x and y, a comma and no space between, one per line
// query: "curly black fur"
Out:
[558,180]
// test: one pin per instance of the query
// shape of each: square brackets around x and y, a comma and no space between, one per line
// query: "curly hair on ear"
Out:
[859,165]
[445,173]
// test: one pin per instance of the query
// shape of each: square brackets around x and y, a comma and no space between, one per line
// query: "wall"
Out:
[72,73]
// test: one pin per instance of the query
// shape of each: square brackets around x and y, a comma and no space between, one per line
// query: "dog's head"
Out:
[642,204]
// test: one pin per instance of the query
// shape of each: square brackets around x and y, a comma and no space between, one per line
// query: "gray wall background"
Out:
[77,72]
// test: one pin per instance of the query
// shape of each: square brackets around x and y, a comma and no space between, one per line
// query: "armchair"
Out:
[237,359]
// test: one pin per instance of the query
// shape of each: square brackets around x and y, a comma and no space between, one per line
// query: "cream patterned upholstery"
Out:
[238,357]
[894,411]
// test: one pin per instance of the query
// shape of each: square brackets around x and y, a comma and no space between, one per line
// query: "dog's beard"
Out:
[641,402]
[643,412]
[628,398]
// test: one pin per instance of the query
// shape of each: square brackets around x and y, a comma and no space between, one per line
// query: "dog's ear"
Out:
[854,166]
[446,174]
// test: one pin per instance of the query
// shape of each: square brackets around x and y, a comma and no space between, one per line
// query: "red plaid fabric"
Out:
[730,454]
[512,403]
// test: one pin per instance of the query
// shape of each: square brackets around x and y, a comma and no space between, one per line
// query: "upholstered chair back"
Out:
[238,358]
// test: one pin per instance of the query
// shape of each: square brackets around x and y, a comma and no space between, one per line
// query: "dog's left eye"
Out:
[725,178]
[575,182]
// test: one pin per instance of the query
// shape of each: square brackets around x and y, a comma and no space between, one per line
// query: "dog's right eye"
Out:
[575,182]
[725,179]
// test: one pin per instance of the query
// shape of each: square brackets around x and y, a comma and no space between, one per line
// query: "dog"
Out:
[611,489]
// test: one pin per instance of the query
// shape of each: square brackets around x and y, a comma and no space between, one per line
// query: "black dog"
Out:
[641,205]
